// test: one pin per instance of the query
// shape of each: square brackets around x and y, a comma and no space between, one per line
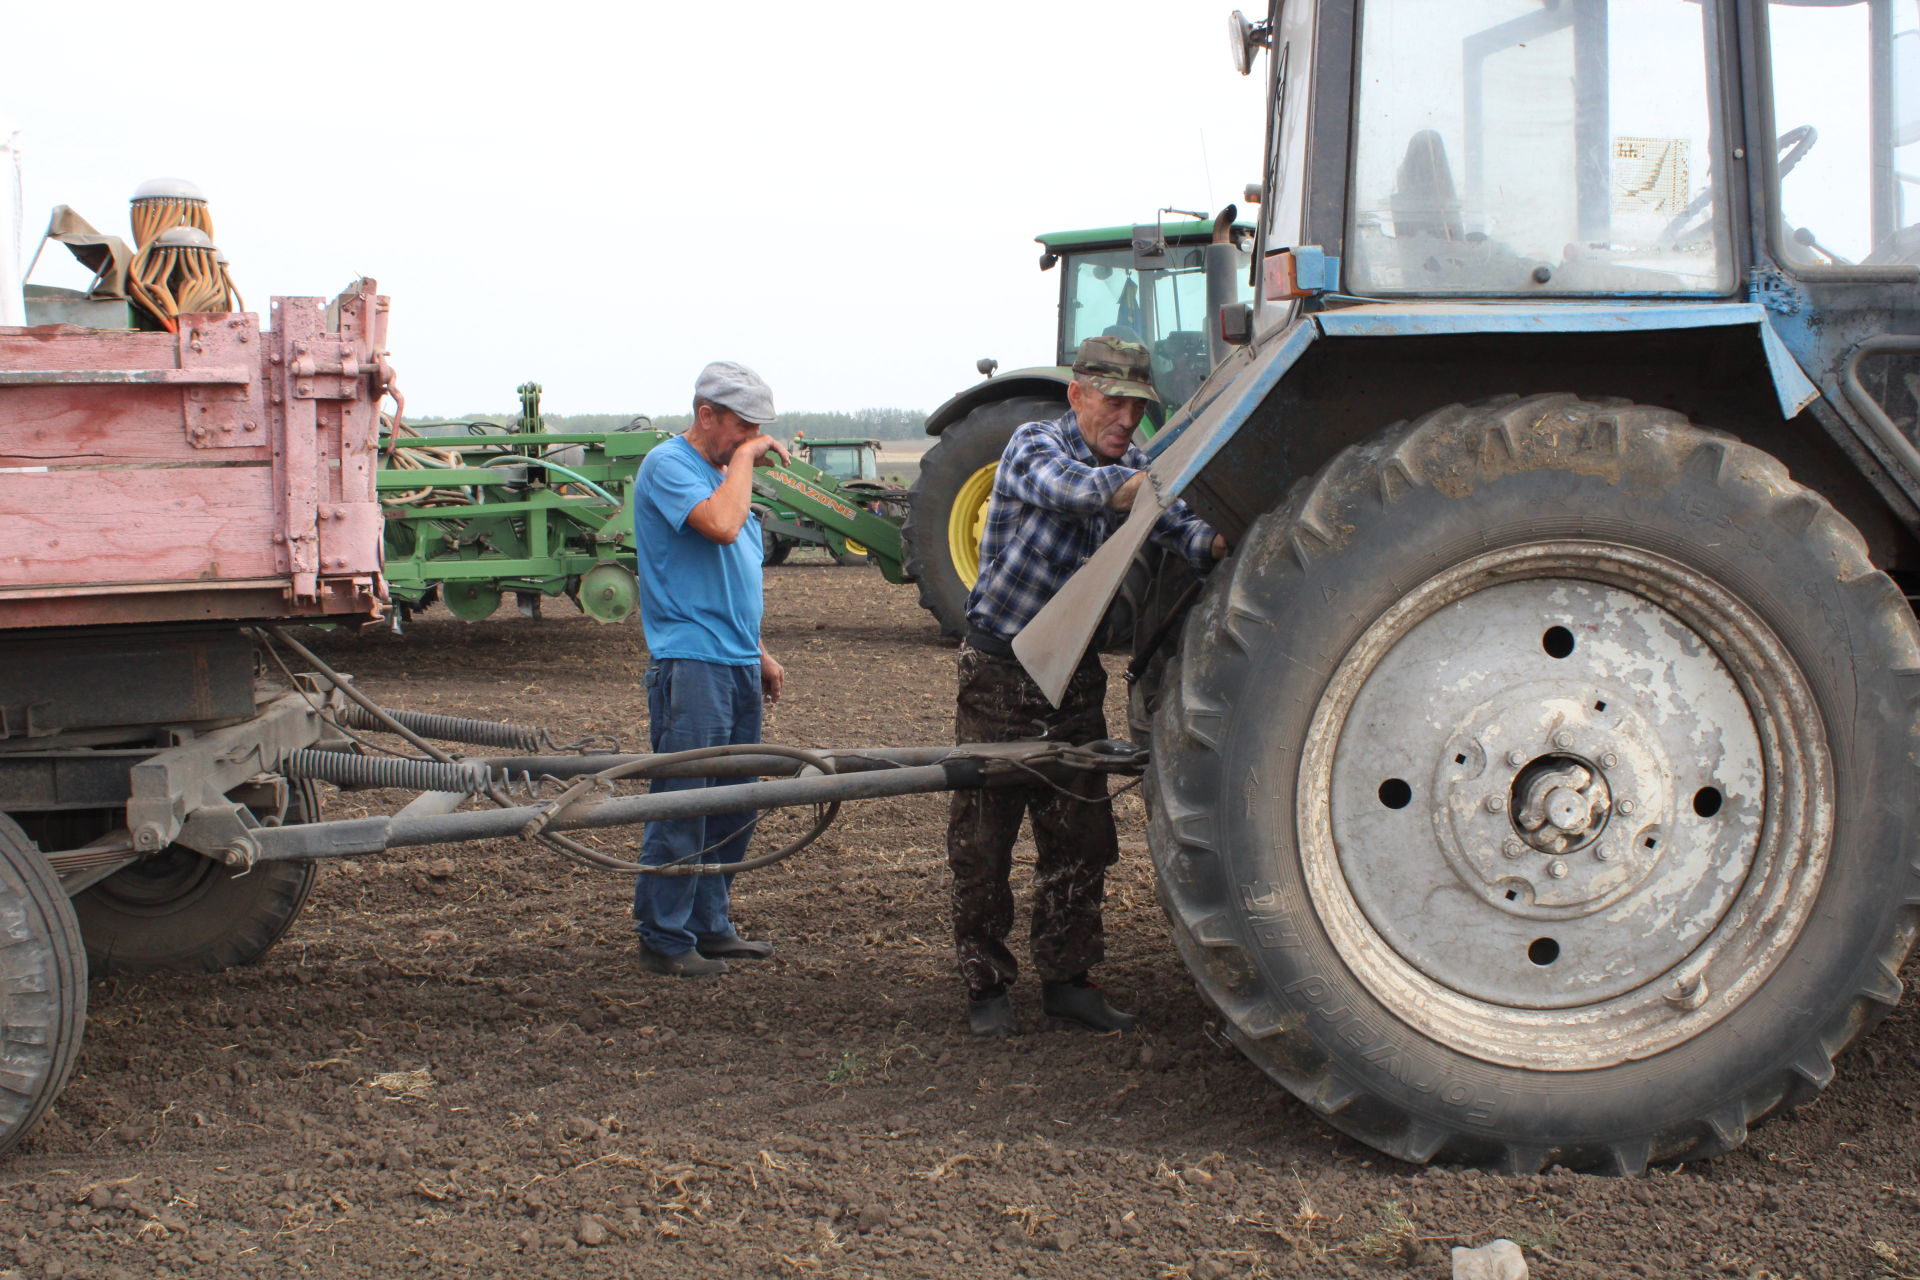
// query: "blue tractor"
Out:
[1536,781]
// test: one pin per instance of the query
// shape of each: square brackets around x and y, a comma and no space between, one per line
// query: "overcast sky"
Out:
[602,198]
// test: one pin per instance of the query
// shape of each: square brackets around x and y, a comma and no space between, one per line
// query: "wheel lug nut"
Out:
[1513,849]
[1516,757]
[1563,740]
[1624,805]
[1496,803]
[1557,869]
[1604,853]
[1609,760]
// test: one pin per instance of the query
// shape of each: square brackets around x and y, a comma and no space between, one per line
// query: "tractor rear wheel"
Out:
[1533,788]
[181,910]
[43,985]
[947,508]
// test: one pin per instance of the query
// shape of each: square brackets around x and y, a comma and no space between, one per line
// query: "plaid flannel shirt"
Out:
[1049,512]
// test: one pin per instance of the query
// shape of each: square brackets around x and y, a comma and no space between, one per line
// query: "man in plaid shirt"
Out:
[1062,488]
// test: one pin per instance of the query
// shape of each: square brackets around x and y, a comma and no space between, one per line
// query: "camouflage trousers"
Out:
[1074,839]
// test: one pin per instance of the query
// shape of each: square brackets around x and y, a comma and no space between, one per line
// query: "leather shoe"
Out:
[1085,1005]
[685,964]
[732,946]
[991,1015]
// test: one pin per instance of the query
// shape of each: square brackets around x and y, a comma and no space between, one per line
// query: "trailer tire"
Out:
[1371,692]
[949,499]
[43,985]
[181,911]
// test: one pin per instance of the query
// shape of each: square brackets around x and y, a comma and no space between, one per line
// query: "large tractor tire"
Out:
[43,985]
[1536,786]
[179,910]
[947,510]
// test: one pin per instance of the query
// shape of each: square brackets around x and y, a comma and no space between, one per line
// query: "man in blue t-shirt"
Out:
[698,546]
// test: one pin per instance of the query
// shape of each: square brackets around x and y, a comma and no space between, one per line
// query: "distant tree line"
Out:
[877,424]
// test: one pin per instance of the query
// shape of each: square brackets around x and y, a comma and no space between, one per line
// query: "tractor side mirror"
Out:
[1149,247]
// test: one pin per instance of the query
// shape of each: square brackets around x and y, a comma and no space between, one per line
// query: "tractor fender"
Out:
[1051,644]
[1049,381]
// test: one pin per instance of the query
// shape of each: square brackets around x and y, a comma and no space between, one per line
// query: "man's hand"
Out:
[773,678]
[1219,547]
[1122,499]
[756,450]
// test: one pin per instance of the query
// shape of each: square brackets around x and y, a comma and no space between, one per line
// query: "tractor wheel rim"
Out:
[1601,827]
[967,523]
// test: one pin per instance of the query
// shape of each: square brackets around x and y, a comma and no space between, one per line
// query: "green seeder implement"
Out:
[475,511]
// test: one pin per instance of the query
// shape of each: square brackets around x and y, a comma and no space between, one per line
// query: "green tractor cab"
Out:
[1147,284]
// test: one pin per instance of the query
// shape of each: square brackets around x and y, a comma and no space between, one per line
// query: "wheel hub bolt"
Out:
[1609,760]
[1496,804]
[1516,757]
[1604,853]
[1513,848]
[1557,869]
[1625,805]
[1563,740]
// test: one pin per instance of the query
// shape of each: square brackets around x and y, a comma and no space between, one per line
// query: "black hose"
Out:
[652,765]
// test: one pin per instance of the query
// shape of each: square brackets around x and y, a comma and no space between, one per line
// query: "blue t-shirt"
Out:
[698,599]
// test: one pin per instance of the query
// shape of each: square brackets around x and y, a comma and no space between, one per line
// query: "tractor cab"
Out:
[1146,284]
[847,460]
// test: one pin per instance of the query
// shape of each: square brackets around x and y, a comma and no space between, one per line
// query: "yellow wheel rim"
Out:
[857,548]
[967,523]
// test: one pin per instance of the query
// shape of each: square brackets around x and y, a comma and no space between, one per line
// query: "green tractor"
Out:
[1147,283]
[853,465]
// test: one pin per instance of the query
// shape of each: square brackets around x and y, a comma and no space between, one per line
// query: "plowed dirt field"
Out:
[451,1067]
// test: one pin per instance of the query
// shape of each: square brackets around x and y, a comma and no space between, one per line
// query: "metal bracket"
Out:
[1774,290]
[21,721]
[223,832]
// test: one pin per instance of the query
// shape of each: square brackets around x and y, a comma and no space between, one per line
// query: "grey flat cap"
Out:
[736,387]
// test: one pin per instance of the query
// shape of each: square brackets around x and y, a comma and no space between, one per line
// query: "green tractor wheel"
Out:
[470,601]
[947,513]
[609,593]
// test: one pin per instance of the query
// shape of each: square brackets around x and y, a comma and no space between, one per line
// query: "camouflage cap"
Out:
[1117,367]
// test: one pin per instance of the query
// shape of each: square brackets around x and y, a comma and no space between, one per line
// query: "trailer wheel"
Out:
[179,910]
[947,507]
[43,985]
[1535,787]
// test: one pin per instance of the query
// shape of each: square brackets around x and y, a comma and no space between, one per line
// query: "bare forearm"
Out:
[721,517]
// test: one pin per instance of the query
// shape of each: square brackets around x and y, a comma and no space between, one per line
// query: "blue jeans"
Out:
[693,704]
